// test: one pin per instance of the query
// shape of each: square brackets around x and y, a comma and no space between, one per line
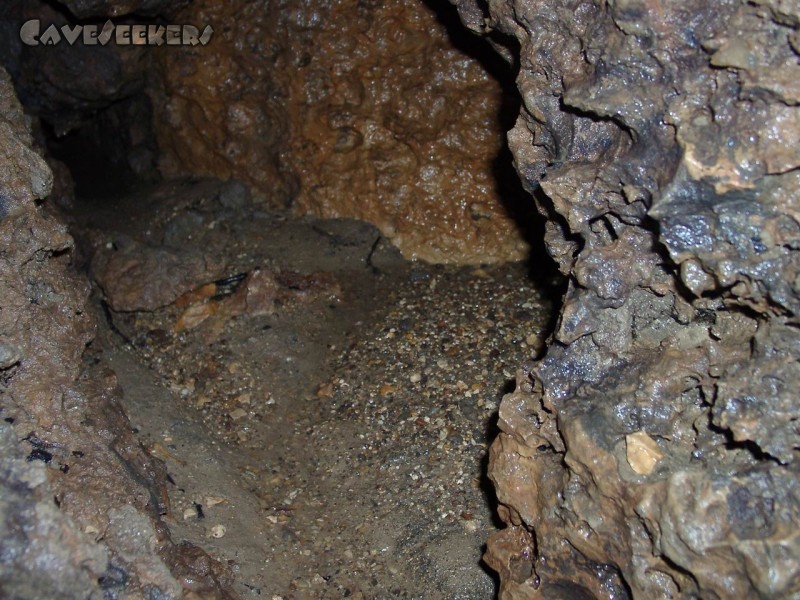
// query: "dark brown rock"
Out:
[139,276]
[68,84]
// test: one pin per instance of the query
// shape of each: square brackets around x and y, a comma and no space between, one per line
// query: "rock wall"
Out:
[652,452]
[345,109]
[340,109]
[80,499]
[394,125]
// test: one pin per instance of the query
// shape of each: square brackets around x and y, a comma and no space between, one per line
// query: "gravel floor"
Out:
[336,446]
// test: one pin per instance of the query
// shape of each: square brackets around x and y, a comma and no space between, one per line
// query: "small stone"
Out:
[386,389]
[238,413]
[213,501]
[234,194]
[325,391]
[189,513]
[470,526]
[642,452]
[218,531]
[415,378]
[9,356]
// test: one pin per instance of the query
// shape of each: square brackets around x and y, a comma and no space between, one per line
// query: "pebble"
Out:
[218,531]
[422,440]
[237,414]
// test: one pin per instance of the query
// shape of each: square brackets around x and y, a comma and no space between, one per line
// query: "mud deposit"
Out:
[329,440]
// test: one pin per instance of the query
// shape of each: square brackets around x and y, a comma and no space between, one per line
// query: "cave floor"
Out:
[335,444]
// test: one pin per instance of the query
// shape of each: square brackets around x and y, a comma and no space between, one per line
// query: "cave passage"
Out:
[276,318]
[321,392]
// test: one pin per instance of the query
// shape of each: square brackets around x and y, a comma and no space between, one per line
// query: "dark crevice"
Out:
[102,156]
[517,202]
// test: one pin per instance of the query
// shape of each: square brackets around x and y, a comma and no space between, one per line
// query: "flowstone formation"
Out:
[652,451]
[345,109]
[340,109]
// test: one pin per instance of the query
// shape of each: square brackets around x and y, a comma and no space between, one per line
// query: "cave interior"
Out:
[422,299]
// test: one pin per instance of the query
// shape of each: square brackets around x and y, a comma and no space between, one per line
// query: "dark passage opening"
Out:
[110,154]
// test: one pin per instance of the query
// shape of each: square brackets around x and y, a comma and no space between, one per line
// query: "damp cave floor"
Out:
[336,445]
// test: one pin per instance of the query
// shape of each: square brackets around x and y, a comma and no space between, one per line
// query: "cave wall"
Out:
[340,109]
[652,451]
[89,101]
[81,501]
[344,109]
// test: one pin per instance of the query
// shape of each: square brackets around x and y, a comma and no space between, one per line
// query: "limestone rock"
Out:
[345,109]
[139,276]
[660,140]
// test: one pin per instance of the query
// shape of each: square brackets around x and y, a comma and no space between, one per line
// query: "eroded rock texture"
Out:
[652,451]
[347,109]
[80,499]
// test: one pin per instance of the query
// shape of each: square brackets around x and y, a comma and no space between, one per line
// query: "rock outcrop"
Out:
[80,499]
[652,452]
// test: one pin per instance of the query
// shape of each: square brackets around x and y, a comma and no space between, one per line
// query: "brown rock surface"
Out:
[138,276]
[348,109]
[660,140]
[393,125]
[351,109]
[219,109]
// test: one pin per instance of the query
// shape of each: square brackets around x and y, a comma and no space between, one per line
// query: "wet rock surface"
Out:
[652,451]
[649,452]
[333,445]
[345,109]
